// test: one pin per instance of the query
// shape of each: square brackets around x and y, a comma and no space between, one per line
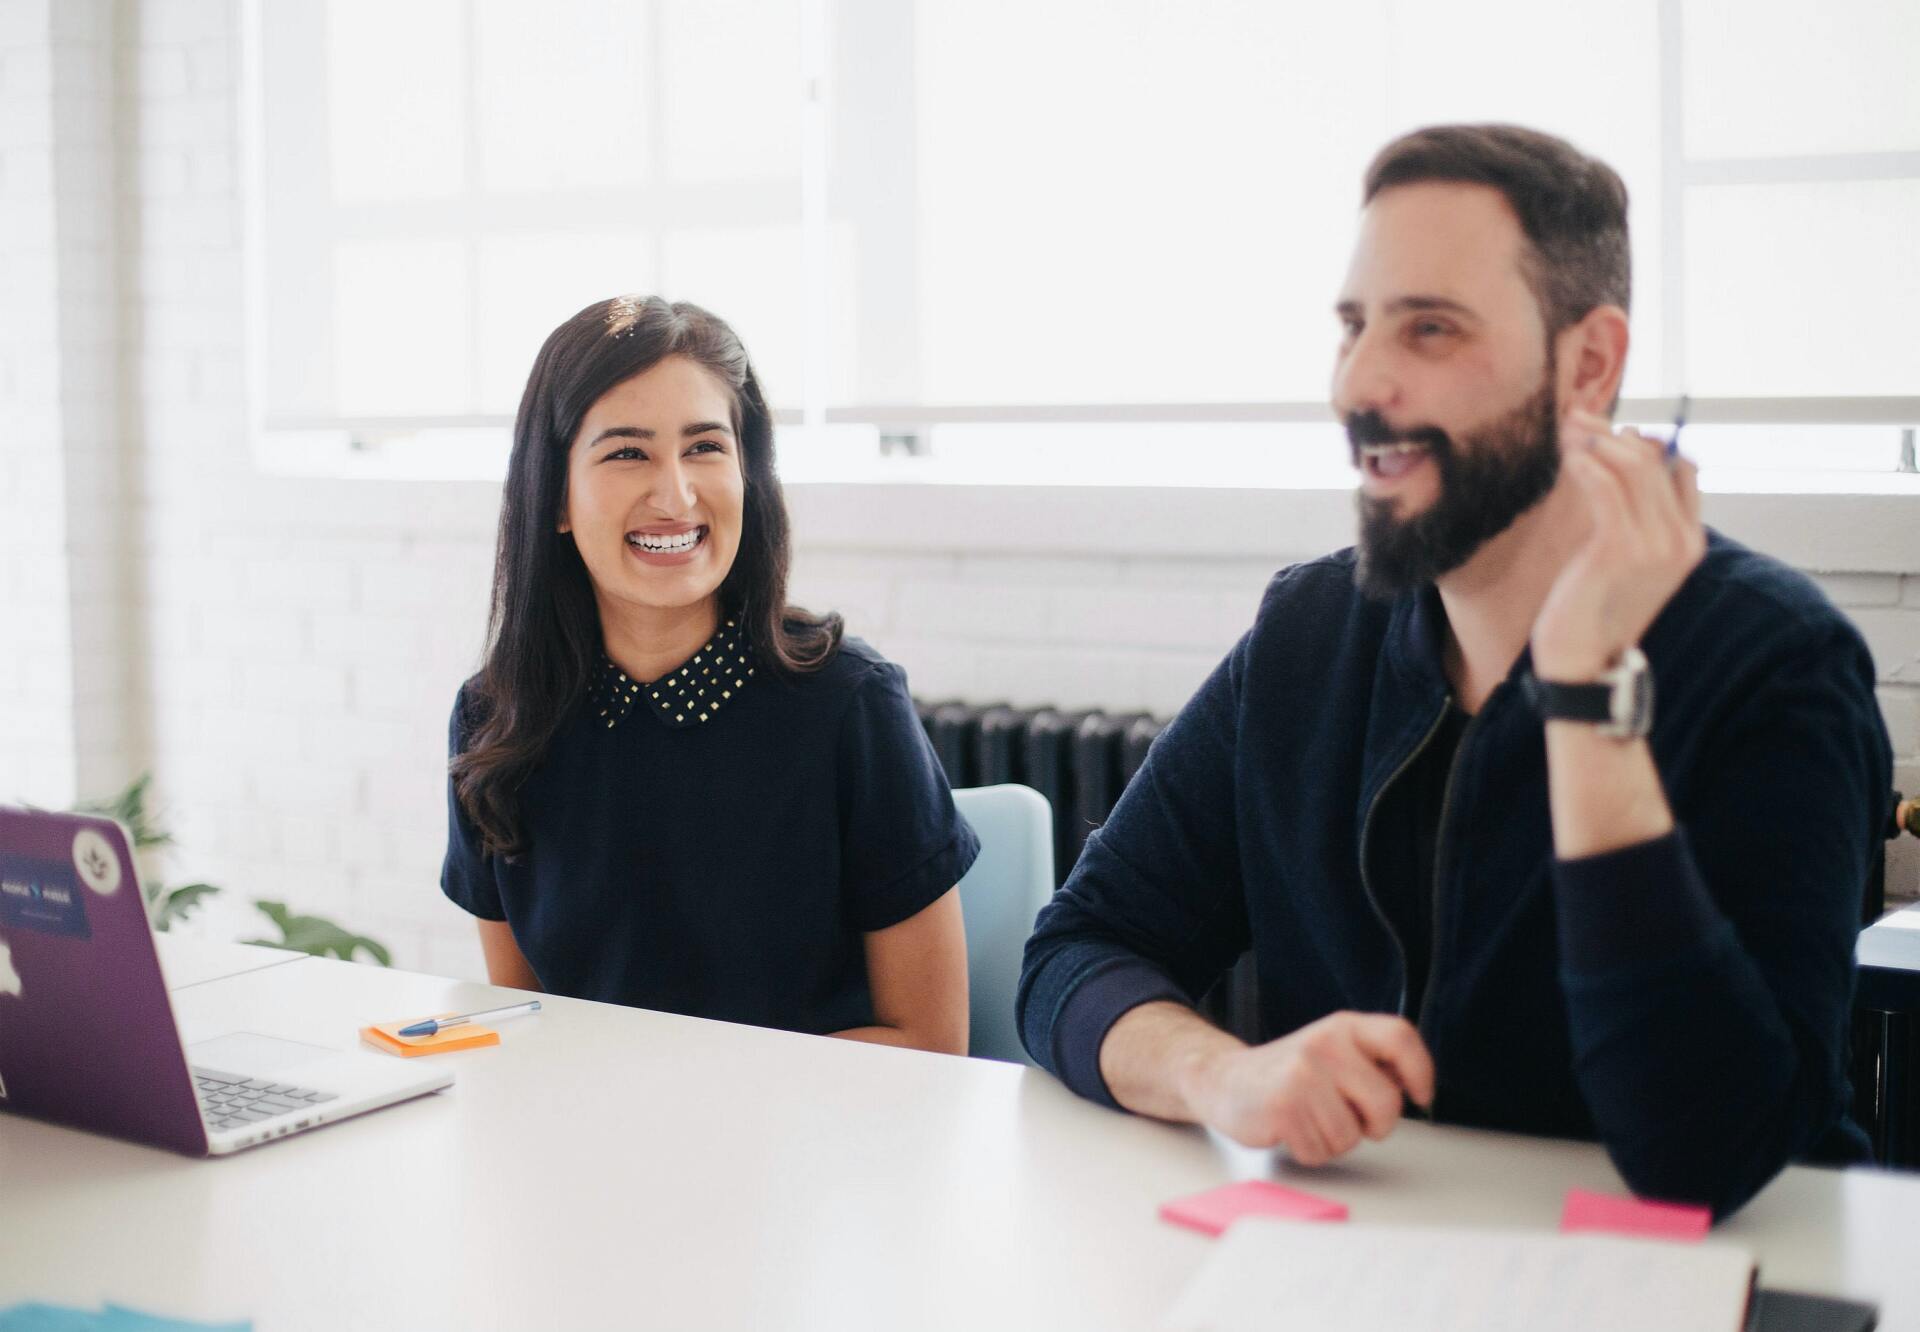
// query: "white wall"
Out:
[68,712]
[287,650]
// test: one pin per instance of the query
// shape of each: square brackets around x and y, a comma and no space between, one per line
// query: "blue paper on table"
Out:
[114,1318]
[119,1318]
[47,1318]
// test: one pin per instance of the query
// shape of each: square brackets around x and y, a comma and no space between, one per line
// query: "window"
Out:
[443,182]
[943,217]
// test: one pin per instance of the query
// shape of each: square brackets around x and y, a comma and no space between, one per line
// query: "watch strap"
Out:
[1553,701]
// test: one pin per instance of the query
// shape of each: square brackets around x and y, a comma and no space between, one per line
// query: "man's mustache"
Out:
[1365,428]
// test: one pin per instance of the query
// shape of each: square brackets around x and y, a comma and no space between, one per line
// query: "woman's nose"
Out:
[672,489]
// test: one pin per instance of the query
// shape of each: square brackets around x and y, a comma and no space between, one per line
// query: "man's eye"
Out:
[1430,328]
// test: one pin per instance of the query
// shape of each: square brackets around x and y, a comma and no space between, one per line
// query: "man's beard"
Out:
[1503,470]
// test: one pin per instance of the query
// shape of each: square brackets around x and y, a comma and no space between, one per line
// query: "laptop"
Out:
[87,1032]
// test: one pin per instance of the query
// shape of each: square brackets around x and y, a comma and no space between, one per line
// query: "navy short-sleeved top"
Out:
[717,841]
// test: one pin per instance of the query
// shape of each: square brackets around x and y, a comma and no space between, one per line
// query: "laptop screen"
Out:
[87,1034]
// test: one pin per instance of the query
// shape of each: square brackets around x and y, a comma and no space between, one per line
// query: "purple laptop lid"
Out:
[87,1035]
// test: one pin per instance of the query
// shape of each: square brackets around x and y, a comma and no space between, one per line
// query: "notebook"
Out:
[1266,1274]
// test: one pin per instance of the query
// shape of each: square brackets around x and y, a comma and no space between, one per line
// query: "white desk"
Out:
[196,961]
[609,1167]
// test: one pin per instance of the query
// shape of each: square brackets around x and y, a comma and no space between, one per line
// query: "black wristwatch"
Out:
[1620,704]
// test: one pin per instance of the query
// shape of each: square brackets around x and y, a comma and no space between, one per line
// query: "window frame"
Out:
[351,445]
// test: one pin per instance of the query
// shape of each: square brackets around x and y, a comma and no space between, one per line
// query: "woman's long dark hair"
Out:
[543,632]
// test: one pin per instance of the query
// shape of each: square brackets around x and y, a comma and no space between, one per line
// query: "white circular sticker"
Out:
[99,867]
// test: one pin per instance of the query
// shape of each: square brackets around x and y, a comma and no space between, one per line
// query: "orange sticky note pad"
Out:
[386,1036]
[1631,1216]
[1216,1209]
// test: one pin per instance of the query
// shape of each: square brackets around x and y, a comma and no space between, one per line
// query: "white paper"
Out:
[1268,1276]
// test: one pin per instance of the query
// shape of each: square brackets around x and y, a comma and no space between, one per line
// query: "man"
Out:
[1516,905]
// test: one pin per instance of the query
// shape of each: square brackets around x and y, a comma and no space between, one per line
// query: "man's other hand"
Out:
[1318,1090]
[1643,509]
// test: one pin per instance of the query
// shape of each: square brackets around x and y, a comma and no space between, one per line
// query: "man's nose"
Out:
[1364,379]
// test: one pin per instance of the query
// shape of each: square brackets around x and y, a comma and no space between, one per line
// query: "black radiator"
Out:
[1080,761]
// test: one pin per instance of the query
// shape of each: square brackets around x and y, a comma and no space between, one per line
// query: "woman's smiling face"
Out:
[655,489]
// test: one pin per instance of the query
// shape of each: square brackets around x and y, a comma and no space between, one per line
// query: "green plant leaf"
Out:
[166,906]
[176,904]
[317,936]
[130,808]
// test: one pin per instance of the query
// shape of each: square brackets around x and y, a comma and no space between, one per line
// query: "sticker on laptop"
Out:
[94,858]
[9,976]
[42,895]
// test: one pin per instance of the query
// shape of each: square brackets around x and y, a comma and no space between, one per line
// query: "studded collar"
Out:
[690,694]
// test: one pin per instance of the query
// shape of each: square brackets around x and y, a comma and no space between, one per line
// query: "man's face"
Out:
[1445,380]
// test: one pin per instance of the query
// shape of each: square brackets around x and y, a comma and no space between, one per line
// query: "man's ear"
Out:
[1592,355]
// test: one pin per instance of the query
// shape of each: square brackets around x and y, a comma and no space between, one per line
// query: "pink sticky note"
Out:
[1216,1209]
[1630,1216]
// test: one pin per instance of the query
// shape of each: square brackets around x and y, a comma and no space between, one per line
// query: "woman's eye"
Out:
[706,446]
[624,455]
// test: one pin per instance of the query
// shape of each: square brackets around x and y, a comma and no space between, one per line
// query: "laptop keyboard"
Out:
[234,1102]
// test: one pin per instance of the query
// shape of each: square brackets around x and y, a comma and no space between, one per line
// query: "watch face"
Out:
[1642,702]
[1632,697]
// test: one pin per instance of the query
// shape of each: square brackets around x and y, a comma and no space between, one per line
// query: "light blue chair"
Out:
[1000,895]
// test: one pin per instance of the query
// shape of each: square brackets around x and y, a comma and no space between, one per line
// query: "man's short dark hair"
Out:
[1572,207]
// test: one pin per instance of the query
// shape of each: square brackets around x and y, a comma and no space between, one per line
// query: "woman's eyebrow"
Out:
[622,432]
[642,432]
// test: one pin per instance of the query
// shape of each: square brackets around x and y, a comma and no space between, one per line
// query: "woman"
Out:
[669,788]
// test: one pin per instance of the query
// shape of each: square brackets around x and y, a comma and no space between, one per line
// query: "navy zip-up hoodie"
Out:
[1685,1001]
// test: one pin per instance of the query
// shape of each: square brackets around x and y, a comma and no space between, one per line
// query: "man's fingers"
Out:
[1300,1132]
[1607,502]
[1653,506]
[1338,1124]
[1394,1044]
[1580,427]
[1375,1094]
[1375,1100]
[1686,480]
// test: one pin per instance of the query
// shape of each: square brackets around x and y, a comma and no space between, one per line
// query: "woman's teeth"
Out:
[666,544]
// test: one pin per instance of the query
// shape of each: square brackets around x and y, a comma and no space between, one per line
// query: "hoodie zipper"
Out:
[1366,843]
[1439,867]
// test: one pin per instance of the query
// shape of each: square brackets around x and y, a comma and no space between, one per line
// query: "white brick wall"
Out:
[67,699]
[299,642]
[36,685]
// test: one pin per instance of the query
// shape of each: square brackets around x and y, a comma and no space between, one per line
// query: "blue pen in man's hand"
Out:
[433,1026]
[1673,441]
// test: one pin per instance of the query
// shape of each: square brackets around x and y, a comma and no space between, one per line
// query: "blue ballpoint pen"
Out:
[1673,440]
[433,1025]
